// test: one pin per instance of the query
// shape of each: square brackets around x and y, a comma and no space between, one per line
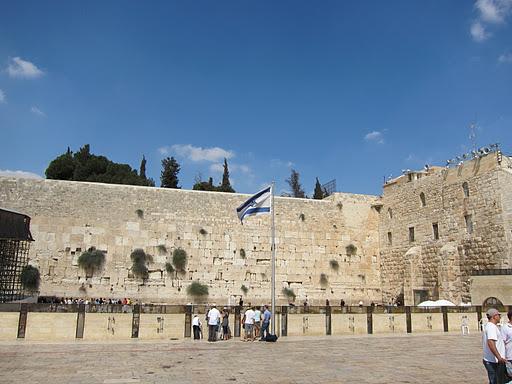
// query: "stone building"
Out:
[423,238]
[441,225]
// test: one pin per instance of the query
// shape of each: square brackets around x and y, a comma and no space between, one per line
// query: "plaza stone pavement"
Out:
[432,358]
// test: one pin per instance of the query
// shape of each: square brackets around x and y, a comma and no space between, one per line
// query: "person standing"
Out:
[248,321]
[213,319]
[493,348]
[257,322]
[196,326]
[264,325]
[506,332]
[225,325]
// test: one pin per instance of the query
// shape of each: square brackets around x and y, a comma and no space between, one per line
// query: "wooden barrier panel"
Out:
[105,326]
[427,322]
[9,325]
[349,324]
[163,327]
[50,326]
[456,320]
[389,323]
[308,324]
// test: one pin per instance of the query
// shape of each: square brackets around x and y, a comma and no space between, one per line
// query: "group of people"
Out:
[497,347]
[255,321]
[218,325]
[74,300]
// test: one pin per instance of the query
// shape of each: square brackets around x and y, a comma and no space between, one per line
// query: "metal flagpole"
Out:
[273,282]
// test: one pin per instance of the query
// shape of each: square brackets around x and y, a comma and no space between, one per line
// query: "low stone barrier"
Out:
[57,322]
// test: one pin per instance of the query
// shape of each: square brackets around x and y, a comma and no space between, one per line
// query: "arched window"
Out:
[422,198]
[493,302]
[465,188]
[390,213]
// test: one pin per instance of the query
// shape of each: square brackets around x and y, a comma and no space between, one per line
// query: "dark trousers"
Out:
[212,330]
[496,372]
[197,332]
[264,328]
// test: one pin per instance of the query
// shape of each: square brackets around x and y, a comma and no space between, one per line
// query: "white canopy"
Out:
[438,303]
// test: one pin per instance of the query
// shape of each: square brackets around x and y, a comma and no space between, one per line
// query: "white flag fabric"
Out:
[257,204]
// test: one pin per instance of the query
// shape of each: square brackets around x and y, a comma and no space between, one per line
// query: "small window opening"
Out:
[390,213]
[465,188]
[390,238]
[435,230]
[411,234]
[422,199]
[469,223]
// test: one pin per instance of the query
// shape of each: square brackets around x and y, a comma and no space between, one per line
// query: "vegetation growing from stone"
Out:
[197,290]
[295,186]
[91,261]
[288,292]
[340,206]
[242,253]
[169,174]
[140,213]
[244,289]
[140,261]
[85,166]
[319,193]
[179,259]
[323,280]
[302,217]
[169,268]
[203,231]
[161,248]
[351,249]
[30,278]
[335,266]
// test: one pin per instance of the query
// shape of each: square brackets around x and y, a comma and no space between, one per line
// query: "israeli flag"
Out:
[257,204]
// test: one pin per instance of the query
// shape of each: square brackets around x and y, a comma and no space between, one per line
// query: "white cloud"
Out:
[19,174]
[2,97]
[196,154]
[37,111]
[375,136]
[278,163]
[217,168]
[478,32]
[23,69]
[505,58]
[494,11]
[233,168]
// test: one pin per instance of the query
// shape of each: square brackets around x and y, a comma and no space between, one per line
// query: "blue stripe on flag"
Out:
[254,211]
[250,200]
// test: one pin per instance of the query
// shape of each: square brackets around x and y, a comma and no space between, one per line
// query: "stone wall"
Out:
[69,217]
[443,266]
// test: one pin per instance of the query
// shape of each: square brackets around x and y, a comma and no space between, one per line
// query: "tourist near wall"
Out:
[326,249]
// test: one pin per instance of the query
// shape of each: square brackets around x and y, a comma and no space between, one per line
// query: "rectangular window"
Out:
[390,238]
[435,230]
[411,234]
[469,223]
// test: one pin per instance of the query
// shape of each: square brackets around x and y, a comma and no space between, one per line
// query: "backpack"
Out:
[271,338]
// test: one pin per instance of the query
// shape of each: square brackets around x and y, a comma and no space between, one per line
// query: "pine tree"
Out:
[319,193]
[226,185]
[294,184]
[169,175]
[142,170]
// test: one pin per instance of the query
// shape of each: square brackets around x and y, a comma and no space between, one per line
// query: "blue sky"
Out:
[352,91]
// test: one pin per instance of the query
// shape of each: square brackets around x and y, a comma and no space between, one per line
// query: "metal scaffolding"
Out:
[15,241]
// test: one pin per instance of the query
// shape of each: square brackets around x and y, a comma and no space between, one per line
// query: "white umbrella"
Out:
[444,303]
[427,304]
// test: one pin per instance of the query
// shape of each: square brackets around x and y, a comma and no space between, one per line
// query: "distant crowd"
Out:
[74,300]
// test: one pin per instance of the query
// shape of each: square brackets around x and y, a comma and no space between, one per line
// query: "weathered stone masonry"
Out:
[70,217]
[422,238]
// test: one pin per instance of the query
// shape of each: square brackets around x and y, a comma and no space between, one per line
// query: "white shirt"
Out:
[249,316]
[213,316]
[492,332]
[257,316]
[506,333]
[195,321]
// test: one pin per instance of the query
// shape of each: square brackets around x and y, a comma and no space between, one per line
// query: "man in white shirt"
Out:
[248,321]
[506,332]
[213,319]
[494,348]
[257,323]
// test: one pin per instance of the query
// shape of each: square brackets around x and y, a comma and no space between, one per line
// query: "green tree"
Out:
[30,278]
[61,168]
[169,175]
[295,185]
[204,185]
[319,193]
[225,186]
[142,169]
